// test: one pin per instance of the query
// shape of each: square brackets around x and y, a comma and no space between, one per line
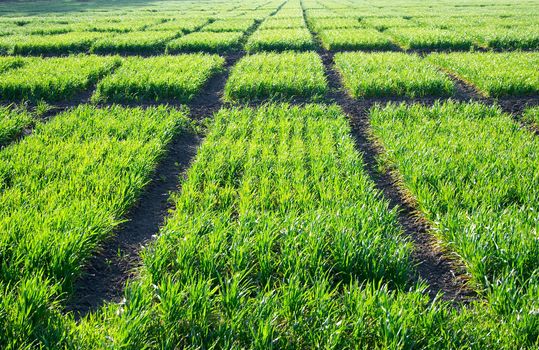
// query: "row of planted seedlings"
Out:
[266,76]
[430,33]
[160,78]
[182,35]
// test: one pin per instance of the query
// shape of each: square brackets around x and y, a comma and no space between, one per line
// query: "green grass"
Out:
[280,40]
[495,74]
[355,39]
[283,23]
[276,76]
[390,74]
[56,44]
[229,25]
[161,78]
[7,63]
[513,38]
[119,26]
[54,79]
[531,115]
[319,24]
[431,39]
[475,174]
[383,23]
[13,121]
[134,43]
[206,42]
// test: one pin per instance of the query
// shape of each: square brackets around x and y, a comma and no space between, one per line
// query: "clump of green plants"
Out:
[7,63]
[319,24]
[280,40]
[134,42]
[383,23]
[160,78]
[119,26]
[495,74]
[57,44]
[355,39]
[285,76]
[512,38]
[391,74]
[431,39]
[13,121]
[283,23]
[206,42]
[229,25]
[54,79]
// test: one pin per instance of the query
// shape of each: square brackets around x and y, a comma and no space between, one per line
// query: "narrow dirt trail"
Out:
[443,275]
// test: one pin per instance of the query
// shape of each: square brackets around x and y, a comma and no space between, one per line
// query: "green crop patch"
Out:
[431,39]
[384,23]
[319,24]
[531,115]
[118,26]
[280,40]
[495,74]
[513,38]
[54,79]
[12,123]
[206,42]
[285,76]
[7,63]
[355,39]
[283,23]
[229,25]
[134,42]
[56,44]
[160,78]
[474,173]
[391,74]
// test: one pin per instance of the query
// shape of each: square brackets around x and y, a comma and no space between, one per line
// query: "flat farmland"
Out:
[276,174]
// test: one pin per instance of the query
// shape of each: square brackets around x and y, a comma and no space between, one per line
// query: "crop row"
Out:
[261,76]
[59,79]
[12,123]
[275,39]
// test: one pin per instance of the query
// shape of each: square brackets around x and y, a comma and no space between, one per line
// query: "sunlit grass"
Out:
[277,76]
[161,78]
[391,74]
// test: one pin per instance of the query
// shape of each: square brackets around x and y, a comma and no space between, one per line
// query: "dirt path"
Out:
[103,280]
